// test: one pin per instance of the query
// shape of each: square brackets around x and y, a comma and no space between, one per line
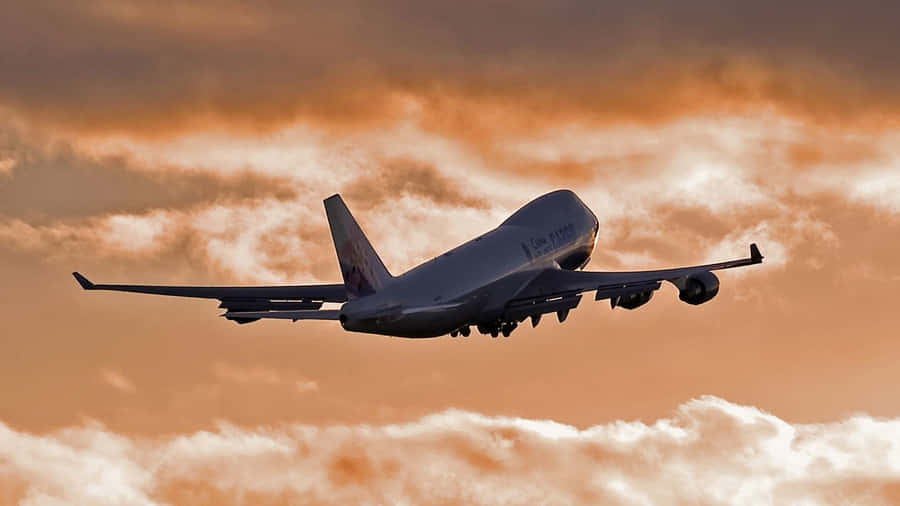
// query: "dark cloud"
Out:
[394,179]
[155,66]
[54,181]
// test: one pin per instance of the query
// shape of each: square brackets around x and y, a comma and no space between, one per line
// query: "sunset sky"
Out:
[193,143]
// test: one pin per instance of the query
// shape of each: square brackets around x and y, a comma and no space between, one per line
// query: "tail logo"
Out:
[357,271]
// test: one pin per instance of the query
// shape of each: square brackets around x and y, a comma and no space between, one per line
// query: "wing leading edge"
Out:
[324,293]
[243,303]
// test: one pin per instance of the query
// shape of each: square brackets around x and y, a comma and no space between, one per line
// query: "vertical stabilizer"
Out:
[364,273]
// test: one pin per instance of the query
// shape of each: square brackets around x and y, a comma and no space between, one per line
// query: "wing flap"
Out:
[520,309]
[324,314]
[267,305]
[625,290]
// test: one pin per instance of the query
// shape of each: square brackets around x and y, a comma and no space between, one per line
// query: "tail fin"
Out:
[364,273]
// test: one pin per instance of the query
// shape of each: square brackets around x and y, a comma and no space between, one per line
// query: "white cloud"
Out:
[261,375]
[724,167]
[7,165]
[736,244]
[117,380]
[709,452]
[119,234]
[136,233]
[880,188]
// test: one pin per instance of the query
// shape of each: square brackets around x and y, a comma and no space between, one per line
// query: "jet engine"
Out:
[634,300]
[699,288]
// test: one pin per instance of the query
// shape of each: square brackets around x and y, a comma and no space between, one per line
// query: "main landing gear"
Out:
[497,328]
[505,328]
[464,331]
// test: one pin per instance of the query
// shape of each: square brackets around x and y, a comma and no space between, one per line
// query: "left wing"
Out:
[301,314]
[335,314]
[243,303]
[558,290]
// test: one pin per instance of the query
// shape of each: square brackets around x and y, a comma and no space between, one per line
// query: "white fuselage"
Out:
[472,283]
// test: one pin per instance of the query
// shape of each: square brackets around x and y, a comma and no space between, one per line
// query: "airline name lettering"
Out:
[556,239]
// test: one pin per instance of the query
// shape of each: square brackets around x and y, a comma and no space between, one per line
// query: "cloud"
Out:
[472,68]
[6,166]
[398,178]
[263,376]
[697,188]
[117,380]
[259,241]
[43,178]
[709,452]
[118,234]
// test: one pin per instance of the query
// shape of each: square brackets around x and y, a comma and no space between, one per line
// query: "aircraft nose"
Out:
[592,218]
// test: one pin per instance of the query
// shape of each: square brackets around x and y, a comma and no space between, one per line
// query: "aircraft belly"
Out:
[419,325]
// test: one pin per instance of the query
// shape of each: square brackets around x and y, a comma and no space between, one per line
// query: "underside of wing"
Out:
[248,316]
[242,299]
[558,290]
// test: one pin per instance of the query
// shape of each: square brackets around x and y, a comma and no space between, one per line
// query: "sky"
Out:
[193,143]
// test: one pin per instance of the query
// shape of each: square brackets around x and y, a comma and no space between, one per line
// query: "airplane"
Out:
[529,266]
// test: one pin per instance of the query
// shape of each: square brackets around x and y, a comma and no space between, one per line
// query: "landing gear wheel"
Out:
[464,331]
[454,333]
[494,332]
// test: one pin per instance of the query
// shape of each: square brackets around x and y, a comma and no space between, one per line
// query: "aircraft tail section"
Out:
[363,271]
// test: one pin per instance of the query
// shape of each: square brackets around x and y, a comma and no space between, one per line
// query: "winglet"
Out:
[755,255]
[83,281]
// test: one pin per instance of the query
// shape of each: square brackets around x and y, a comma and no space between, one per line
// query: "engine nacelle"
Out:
[634,300]
[699,288]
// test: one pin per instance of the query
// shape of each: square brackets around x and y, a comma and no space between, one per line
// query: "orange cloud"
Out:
[174,143]
[698,187]
[710,451]
[473,70]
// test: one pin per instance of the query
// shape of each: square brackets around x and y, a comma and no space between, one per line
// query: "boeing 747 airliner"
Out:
[528,266]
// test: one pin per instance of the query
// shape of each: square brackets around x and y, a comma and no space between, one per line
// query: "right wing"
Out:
[242,301]
[559,290]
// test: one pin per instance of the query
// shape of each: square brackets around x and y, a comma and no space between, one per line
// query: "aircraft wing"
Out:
[241,299]
[558,290]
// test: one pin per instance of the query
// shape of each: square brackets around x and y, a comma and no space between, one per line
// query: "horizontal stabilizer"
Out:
[324,314]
